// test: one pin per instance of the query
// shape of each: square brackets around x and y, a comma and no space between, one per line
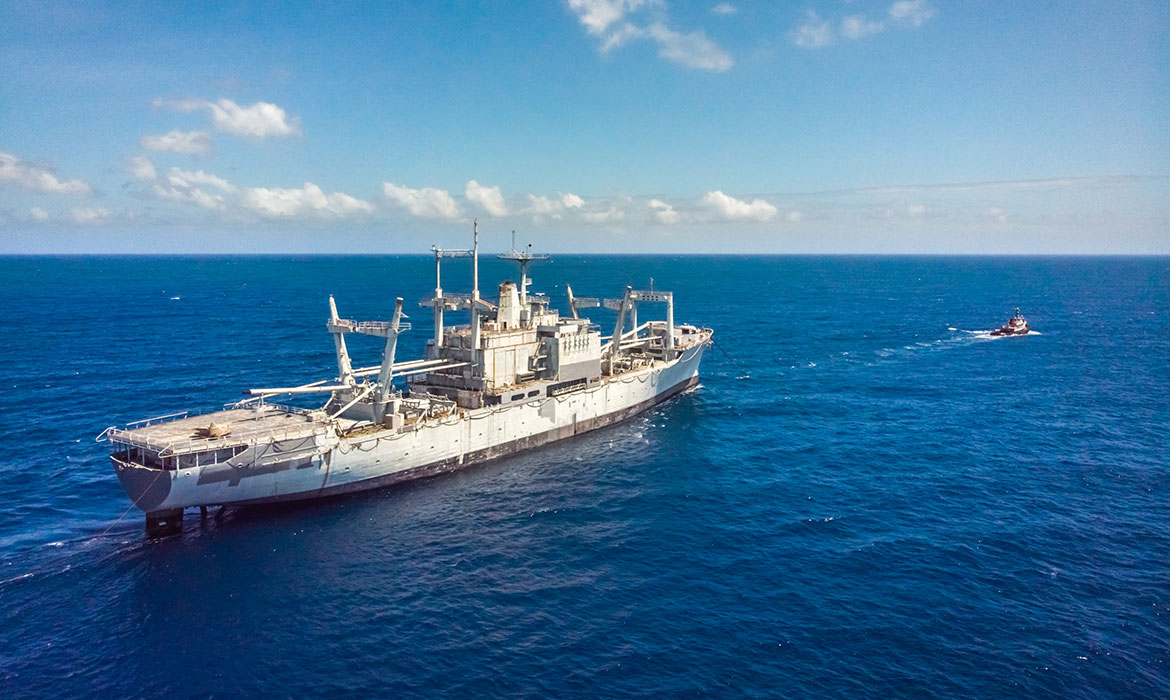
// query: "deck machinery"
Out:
[516,376]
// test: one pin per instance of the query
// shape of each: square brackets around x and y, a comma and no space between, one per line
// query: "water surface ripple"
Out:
[866,497]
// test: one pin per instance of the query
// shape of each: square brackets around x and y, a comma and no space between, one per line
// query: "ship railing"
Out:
[129,435]
[235,405]
[170,417]
[182,446]
[363,326]
[381,326]
[285,408]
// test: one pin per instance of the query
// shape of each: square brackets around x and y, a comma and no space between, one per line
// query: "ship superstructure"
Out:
[516,376]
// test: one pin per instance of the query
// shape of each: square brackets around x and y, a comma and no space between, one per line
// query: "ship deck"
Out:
[182,433]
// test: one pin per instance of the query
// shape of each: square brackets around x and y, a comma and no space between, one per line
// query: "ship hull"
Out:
[321,468]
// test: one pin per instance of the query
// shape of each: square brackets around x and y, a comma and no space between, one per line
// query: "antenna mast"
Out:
[524,257]
[475,259]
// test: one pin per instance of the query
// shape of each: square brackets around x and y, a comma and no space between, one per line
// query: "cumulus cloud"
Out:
[663,212]
[190,195]
[795,216]
[38,214]
[540,206]
[607,21]
[724,8]
[693,50]
[88,215]
[183,178]
[308,200]
[912,12]
[189,142]
[859,26]
[732,209]
[38,178]
[257,121]
[180,185]
[815,33]
[140,168]
[427,203]
[598,15]
[609,216]
[489,198]
[543,206]
[208,191]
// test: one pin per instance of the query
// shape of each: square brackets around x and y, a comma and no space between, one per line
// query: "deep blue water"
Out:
[889,505]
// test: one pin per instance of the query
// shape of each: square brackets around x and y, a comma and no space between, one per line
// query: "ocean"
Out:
[866,496]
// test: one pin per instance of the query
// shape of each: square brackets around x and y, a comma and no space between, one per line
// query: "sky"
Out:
[593,126]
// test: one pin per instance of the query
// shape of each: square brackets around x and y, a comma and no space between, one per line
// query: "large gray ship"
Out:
[517,376]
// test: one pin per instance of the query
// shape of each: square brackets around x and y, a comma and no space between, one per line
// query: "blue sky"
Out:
[908,126]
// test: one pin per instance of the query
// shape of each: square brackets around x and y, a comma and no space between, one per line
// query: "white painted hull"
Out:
[325,465]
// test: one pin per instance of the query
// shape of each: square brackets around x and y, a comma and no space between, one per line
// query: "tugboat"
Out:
[1016,325]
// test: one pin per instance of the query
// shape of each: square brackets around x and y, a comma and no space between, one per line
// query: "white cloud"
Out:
[88,215]
[489,198]
[191,195]
[731,208]
[916,210]
[606,20]
[141,168]
[428,202]
[38,214]
[912,12]
[997,214]
[257,121]
[620,36]
[38,178]
[724,8]
[183,178]
[189,142]
[815,33]
[540,206]
[598,15]
[306,201]
[605,217]
[663,212]
[543,206]
[693,50]
[795,216]
[183,186]
[859,26]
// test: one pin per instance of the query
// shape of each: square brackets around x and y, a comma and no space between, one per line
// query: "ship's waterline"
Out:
[518,376]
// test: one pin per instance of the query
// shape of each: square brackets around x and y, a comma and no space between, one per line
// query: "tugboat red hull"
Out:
[1016,325]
